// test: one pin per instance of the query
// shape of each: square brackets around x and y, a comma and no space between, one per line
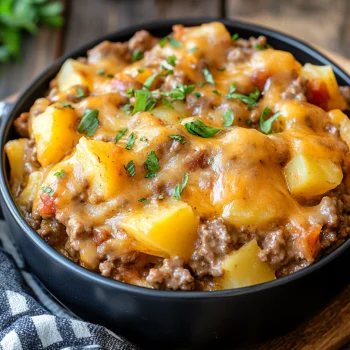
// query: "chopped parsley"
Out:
[235,37]
[137,55]
[211,160]
[100,72]
[198,128]
[221,69]
[130,168]
[65,105]
[201,84]
[160,196]
[193,49]
[261,47]
[120,134]
[151,165]
[130,92]
[144,139]
[208,76]
[229,117]
[178,191]
[248,122]
[250,100]
[147,84]
[131,141]
[197,94]
[60,174]
[142,97]
[180,92]
[143,200]
[178,138]
[89,123]
[167,103]
[171,60]
[140,70]
[216,92]
[266,125]
[80,92]
[173,42]
[127,108]
[110,75]
[48,190]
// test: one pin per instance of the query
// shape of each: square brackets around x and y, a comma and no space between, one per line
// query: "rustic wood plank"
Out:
[89,19]
[322,22]
[37,52]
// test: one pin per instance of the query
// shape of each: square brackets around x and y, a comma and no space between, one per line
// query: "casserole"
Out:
[133,297]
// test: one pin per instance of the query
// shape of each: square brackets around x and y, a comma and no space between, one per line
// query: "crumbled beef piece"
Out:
[77,230]
[143,41]
[296,90]
[106,268]
[39,106]
[274,249]
[30,158]
[213,243]
[241,49]
[345,91]
[21,124]
[53,232]
[171,275]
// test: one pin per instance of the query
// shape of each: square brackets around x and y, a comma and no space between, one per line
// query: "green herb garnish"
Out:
[201,84]
[261,47]
[197,94]
[248,122]
[228,118]
[160,196]
[144,139]
[65,105]
[171,60]
[143,200]
[147,84]
[216,92]
[180,92]
[173,42]
[89,123]
[151,165]
[140,70]
[221,69]
[60,174]
[178,138]
[178,191]
[250,100]
[130,168]
[142,97]
[266,125]
[100,72]
[131,141]
[167,103]
[208,76]
[130,92]
[48,190]
[110,75]
[120,134]
[193,49]
[127,108]
[80,92]
[198,128]
[137,55]
[235,37]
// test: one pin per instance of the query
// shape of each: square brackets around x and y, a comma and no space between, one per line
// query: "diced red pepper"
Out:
[317,93]
[46,206]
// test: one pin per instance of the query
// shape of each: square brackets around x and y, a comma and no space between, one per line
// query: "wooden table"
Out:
[321,22]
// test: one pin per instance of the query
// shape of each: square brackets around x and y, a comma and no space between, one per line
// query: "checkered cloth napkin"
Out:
[30,319]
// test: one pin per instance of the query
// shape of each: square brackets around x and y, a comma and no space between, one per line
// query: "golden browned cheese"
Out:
[251,178]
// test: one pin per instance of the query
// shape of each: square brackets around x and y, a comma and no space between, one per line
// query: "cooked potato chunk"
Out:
[165,230]
[73,73]
[244,268]
[34,181]
[101,164]
[326,75]
[88,254]
[15,153]
[342,120]
[310,176]
[54,133]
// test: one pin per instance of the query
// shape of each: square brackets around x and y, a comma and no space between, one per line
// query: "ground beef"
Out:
[241,49]
[53,232]
[214,242]
[21,124]
[171,275]
[142,40]
[345,91]
[296,90]
[30,158]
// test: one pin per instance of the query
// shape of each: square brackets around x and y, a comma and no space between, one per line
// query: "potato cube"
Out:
[326,75]
[88,254]
[35,179]
[102,165]
[310,176]
[342,120]
[54,133]
[74,73]
[15,153]
[243,268]
[165,230]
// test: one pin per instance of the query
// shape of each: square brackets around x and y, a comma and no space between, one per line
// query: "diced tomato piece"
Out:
[259,78]
[46,206]
[311,242]
[317,93]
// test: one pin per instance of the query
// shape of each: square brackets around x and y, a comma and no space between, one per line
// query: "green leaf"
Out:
[144,139]
[120,134]
[151,164]
[221,69]
[235,37]
[178,191]
[208,76]
[60,174]
[100,72]
[89,123]
[260,47]
[48,190]
[147,84]
[197,94]
[229,117]
[266,125]
[143,200]
[178,138]
[171,60]
[80,93]
[193,49]
[140,70]
[137,55]
[180,92]
[160,197]
[216,92]
[141,97]
[65,105]
[130,168]
[174,43]
[131,141]
[167,103]
[198,128]
[250,100]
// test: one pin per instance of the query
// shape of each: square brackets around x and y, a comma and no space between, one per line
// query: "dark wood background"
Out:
[321,22]
[325,23]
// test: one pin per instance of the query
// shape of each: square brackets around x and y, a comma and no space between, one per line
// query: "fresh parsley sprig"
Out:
[250,100]
[198,128]
[89,123]
[151,165]
[178,190]
[266,125]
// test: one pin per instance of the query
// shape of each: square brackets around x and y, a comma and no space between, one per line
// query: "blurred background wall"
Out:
[321,22]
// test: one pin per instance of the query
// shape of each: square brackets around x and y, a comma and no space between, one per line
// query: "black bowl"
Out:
[176,319]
